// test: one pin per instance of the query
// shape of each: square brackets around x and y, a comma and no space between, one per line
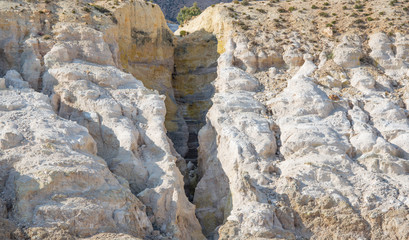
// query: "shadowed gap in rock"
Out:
[195,69]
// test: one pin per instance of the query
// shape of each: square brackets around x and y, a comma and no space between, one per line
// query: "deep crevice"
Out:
[194,72]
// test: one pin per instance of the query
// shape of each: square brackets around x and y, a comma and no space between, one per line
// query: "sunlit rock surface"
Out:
[277,120]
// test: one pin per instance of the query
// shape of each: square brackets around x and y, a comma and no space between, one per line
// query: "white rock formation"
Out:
[236,148]
[127,122]
[91,153]
[307,136]
[51,176]
[390,53]
[322,157]
[14,80]
[348,53]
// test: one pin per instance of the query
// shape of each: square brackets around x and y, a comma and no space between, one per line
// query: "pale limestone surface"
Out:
[323,155]
[52,177]
[302,140]
[143,45]
[89,154]
[330,156]
[236,131]
[348,53]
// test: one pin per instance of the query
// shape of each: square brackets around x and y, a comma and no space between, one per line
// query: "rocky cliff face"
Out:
[307,135]
[276,120]
[89,153]
[195,70]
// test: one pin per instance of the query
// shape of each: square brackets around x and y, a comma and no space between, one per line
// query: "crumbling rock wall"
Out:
[303,138]
[89,154]
[311,145]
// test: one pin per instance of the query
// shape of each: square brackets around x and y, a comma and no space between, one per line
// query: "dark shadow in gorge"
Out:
[213,198]
[195,69]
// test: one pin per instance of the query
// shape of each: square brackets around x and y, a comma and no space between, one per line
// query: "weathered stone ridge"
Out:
[286,120]
[144,46]
[89,154]
[53,178]
[303,140]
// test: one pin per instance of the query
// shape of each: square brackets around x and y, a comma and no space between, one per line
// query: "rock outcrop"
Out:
[90,153]
[52,178]
[276,121]
[313,143]
[143,45]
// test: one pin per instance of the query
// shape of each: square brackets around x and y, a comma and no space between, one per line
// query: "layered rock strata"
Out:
[195,70]
[143,45]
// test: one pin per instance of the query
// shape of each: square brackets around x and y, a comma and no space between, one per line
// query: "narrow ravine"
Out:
[258,120]
[195,70]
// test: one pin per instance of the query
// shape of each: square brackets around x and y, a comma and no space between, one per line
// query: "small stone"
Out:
[2,83]
[272,72]
[334,97]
